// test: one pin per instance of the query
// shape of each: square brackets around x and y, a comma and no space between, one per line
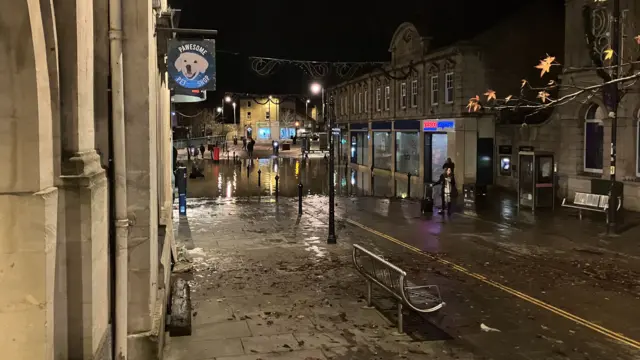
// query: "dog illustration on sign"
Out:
[191,64]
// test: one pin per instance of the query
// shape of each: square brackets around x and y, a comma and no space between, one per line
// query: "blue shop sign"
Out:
[439,125]
[192,64]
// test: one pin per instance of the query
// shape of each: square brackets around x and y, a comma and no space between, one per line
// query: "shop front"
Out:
[469,142]
[407,151]
[382,145]
[439,142]
[359,144]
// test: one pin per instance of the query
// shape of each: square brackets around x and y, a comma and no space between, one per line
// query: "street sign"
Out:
[192,64]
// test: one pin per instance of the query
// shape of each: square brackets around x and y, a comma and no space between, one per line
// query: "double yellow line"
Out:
[586,323]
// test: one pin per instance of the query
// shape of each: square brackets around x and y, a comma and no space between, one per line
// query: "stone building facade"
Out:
[409,118]
[579,132]
[56,242]
[273,118]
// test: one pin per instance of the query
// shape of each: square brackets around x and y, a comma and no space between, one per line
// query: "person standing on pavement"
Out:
[449,191]
[202,150]
[250,146]
[244,143]
[449,165]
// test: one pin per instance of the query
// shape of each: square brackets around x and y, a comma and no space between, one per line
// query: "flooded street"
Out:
[545,281]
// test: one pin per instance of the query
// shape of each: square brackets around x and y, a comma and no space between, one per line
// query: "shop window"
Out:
[382,151]
[593,139]
[407,154]
[359,150]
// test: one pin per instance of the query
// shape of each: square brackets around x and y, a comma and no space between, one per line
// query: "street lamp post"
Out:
[306,111]
[331,238]
[235,125]
[225,99]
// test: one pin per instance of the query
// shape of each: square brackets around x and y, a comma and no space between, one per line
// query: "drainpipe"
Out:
[120,180]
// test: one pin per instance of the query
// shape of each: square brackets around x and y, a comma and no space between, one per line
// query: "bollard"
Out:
[409,185]
[300,199]
[234,156]
[248,168]
[259,173]
[277,190]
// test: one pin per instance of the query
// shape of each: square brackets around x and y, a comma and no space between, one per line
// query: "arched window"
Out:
[594,139]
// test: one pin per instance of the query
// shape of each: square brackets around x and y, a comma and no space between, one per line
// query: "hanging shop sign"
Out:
[192,64]
[438,125]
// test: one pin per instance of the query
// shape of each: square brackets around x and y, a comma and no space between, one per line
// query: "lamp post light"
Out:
[235,125]
[306,111]
[225,99]
[331,238]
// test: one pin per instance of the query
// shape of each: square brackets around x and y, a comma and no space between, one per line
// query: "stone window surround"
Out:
[414,93]
[403,95]
[434,90]
[586,120]
[387,97]
[448,80]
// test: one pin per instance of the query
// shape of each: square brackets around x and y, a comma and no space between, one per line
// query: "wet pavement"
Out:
[266,286]
[554,286]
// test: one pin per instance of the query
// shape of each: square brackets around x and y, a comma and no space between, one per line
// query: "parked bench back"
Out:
[383,272]
[597,201]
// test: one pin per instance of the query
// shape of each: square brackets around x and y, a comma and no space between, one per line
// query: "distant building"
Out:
[411,119]
[274,118]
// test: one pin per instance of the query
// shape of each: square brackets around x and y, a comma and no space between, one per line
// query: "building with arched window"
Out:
[405,120]
[579,131]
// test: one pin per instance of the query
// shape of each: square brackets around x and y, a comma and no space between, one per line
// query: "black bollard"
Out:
[248,169]
[300,199]
[259,172]
[372,191]
[234,156]
[277,189]
[228,156]
[409,185]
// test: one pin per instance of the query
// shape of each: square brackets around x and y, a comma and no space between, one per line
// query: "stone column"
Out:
[140,73]
[83,197]
[28,198]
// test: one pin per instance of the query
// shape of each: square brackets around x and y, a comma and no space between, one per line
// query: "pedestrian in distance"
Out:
[449,191]
[202,150]
[250,146]
[244,143]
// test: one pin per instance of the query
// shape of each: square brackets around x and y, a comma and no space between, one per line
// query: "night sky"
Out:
[331,30]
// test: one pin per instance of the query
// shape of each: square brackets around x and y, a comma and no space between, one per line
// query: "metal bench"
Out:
[376,270]
[591,202]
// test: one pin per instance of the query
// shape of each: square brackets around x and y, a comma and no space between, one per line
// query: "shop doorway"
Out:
[435,155]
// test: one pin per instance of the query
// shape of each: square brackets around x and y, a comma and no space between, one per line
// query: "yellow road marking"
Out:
[586,323]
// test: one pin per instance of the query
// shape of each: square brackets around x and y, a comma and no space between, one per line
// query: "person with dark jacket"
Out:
[250,146]
[202,150]
[449,164]
[449,191]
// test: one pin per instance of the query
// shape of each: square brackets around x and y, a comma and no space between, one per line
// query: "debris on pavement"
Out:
[486,328]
